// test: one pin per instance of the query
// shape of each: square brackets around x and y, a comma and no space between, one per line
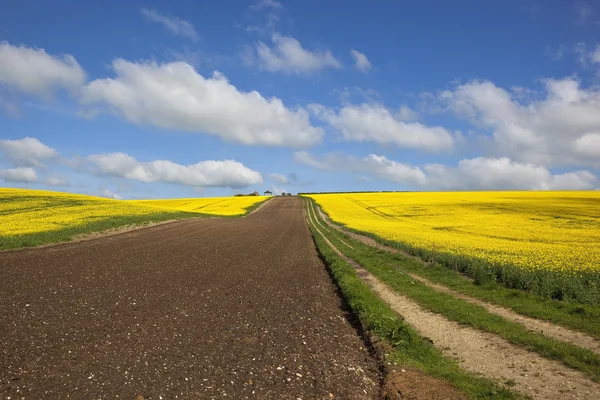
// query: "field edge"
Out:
[107,227]
[404,348]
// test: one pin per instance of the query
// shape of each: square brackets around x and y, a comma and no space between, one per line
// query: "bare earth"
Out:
[203,308]
[485,353]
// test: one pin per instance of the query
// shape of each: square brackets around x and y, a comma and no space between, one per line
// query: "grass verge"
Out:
[388,268]
[574,315]
[409,348]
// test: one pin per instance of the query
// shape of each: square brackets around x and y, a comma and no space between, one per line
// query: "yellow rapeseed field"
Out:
[226,206]
[552,231]
[26,212]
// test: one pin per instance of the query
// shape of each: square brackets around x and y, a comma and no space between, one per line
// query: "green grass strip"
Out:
[410,349]
[378,263]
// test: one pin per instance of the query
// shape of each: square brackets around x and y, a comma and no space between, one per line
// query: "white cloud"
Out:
[585,56]
[378,166]
[176,25]
[22,174]
[373,122]
[559,129]
[470,174]
[175,96]
[27,152]
[588,145]
[227,173]
[407,114]
[34,71]
[303,157]
[110,194]
[361,62]
[277,191]
[288,56]
[503,174]
[282,179]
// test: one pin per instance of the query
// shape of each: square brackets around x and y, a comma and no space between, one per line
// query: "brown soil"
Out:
[408,384]
[545,327]
[202,308]
[485,353]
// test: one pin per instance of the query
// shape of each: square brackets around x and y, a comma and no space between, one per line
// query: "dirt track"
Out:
[239,308]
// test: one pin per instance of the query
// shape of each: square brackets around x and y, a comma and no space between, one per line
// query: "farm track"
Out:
[547,328]
[195,309]
[478,351]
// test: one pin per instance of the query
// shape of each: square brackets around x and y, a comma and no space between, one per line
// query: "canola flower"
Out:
[224,206]
[536,231]
[25,212]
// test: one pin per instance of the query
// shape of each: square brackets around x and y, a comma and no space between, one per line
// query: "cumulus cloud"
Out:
[407,114]
[30,152]
[470,174]
[175,25]
[373,122]
[361,62]
[378,166]
[36,72]
[227,173]
[26,152]
[279,178]
[110,194]
[588,145]
[21,174]
[288,56]
[277,191]
[175,96]
[561,128]
[504,174]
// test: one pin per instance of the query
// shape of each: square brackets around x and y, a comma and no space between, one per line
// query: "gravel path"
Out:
[233,308]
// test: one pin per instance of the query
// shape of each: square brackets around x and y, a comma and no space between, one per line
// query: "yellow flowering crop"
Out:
[24,211]
[557,231]
[225,206]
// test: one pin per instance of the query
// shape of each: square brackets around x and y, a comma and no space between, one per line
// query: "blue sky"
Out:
[186,98]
